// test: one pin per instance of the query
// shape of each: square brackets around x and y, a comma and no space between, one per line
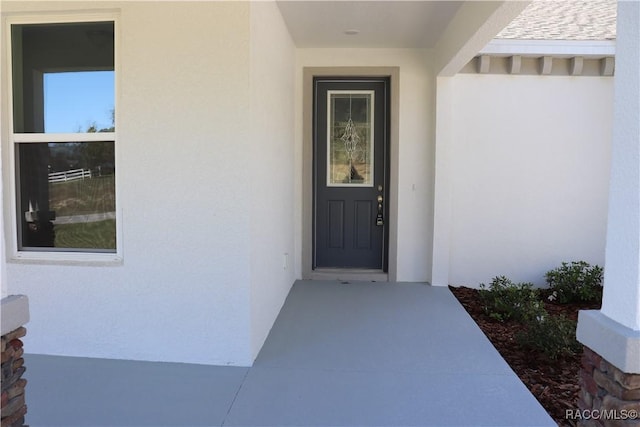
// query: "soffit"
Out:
[381,24]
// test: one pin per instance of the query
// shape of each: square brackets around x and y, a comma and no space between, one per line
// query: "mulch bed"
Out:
[553,382]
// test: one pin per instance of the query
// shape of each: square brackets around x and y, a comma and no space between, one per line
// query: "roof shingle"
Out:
[564,20]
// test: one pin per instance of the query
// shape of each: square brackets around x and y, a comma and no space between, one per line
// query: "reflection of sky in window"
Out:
[73,101]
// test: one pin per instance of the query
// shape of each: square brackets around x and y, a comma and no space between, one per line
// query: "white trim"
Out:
[616,343]
[14,313]
[557,48]
[51,255]
[67,257]
[35,138]
[60,17]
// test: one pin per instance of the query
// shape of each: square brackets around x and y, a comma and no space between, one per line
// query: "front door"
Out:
[351,173]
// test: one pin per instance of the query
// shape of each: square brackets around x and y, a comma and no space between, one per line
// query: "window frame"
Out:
[57,255]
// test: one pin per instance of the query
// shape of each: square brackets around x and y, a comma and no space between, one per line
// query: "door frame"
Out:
[393,73]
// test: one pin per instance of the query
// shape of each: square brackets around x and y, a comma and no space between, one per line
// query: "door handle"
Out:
[380,217]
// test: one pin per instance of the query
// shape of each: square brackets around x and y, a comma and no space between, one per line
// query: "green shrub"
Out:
[552,335]
[505,300]
[575,282]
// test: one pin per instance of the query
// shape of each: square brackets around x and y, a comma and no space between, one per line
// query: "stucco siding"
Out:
[270,156]
[183,102]
[530,173]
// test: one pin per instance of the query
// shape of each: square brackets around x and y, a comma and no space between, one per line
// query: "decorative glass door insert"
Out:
[350,138]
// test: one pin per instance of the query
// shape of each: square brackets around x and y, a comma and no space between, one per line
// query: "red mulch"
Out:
[553,382]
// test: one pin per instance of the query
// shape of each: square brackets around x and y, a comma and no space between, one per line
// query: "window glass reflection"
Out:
[67,195]
[63,82]
[80,101]
[63,77]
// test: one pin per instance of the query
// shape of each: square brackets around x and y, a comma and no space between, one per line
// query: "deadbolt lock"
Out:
[380,217]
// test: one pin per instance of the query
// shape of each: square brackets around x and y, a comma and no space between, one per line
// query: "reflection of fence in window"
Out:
[70,175]
[62,77]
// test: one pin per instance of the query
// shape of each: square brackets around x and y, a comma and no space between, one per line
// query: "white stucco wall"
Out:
[415,183]
[271,151]
[529,175]
[187,191]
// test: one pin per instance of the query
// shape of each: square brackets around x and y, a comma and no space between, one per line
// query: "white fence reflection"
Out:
[70,175]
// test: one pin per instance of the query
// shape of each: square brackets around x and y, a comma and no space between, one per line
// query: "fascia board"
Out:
[556,48]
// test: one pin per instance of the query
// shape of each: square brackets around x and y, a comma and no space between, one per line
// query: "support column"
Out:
[610,375]
[442,191]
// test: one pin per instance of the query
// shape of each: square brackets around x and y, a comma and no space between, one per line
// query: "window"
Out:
[350,138]
[63,136]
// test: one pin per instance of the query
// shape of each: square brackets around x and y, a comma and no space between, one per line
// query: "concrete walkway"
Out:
[339,354]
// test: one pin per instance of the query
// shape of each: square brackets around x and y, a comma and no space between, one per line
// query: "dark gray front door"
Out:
[351,173]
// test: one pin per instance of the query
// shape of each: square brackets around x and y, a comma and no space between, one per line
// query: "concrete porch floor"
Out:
[339,354]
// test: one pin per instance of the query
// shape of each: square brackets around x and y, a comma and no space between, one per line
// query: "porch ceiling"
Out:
[382,24]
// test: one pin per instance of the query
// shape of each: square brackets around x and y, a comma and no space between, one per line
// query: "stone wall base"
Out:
[608,396]
[13,407]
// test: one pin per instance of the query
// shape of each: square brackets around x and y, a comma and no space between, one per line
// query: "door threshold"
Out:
[367,275]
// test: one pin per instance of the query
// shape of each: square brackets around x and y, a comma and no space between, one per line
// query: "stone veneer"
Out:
[14,406]
[14,314]
[608,396]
